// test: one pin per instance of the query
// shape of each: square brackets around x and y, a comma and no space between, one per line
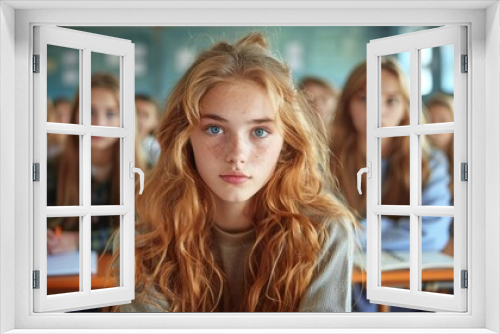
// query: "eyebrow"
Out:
[222,119]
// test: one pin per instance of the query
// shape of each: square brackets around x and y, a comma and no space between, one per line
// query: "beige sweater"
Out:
[329,290]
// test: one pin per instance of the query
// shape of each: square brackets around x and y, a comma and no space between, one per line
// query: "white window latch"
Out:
[368,171]
[133,170]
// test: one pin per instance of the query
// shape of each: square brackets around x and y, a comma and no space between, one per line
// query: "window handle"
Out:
[133,170]
[368,171]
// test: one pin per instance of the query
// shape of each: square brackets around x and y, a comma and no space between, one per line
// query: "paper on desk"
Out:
[395,260]
[68,264]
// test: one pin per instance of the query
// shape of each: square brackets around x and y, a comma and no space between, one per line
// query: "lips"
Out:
[235,178]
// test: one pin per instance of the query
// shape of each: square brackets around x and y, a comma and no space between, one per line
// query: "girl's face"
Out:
[441,114]
[105,111]
[391,101]
[146,117]
[237,142]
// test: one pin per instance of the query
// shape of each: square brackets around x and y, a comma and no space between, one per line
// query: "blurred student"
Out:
[63,108]
[64,171]
[234,217]
[322,95]
[55,142]
[349,148]
[147,121]
[440,110]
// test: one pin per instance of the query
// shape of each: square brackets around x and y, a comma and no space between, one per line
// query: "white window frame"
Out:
[413,43]
[85,43]
[482,19]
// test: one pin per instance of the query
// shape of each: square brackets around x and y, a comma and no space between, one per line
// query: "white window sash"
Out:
[414,298]
[86,43]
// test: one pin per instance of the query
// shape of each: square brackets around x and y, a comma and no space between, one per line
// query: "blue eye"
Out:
[261,133]
[214,130]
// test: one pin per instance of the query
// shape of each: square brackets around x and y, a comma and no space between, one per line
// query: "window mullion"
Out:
[85,168]
[414,169]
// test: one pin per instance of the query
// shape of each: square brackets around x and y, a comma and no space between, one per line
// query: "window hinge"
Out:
[465,279]
[464,171]
[465,64]
[36,172]
[36,279]
[36,63]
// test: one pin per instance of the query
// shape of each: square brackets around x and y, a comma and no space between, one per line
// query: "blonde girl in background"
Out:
[440,110]
[237,215]
[63,171]
[323,97]
[348,145]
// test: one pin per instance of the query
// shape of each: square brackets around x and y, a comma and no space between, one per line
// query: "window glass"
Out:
[395,90]
[63,259]
[434,262]
[63,77]
[105,232]
[63,170]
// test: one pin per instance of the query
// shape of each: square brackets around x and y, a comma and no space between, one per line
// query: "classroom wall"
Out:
[164,53]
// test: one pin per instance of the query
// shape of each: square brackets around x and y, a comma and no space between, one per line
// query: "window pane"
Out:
[395,257]
[63,77]
[63,170]
[105,90]
[63,260]
[437,169]
[437,84]
[394,92]
[105,169]
[437,264]
[103,241]
[395,171]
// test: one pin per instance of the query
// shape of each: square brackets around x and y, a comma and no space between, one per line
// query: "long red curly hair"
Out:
[174,251]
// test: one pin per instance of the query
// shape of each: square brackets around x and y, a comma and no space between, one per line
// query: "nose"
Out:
[237,152]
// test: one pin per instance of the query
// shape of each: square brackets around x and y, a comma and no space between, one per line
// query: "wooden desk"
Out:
[71,283]
[62,284]
[402,277]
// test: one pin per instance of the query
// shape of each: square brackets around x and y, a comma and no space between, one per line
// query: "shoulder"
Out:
[340,237]
[436,158]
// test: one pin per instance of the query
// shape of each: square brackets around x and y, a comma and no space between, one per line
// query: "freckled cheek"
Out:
[267,155]
[217,150]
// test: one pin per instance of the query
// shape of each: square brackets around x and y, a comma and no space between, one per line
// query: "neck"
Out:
[101,162]
[101,158]
[233,217]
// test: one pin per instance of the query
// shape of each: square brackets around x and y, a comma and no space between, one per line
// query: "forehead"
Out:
[145,105]
[104,94]
[390,82]
[237,99]
[317,89]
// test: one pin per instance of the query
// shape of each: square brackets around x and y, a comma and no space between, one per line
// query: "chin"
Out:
[234,198]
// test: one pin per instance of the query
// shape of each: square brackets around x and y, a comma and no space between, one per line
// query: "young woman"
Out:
[322,95]
[349,148]
[63,172]
[236,215]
